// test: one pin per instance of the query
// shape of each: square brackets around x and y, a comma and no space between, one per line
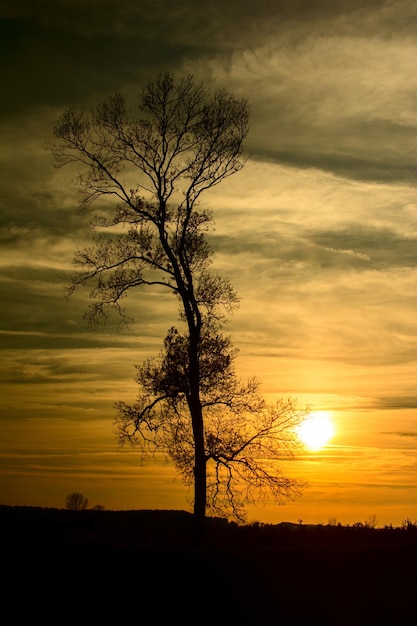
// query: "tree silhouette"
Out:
[180,142]
[76,502]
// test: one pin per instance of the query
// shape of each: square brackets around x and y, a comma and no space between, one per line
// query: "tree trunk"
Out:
[200,466]
[200,486]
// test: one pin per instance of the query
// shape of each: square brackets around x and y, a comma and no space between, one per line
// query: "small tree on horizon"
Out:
[76,502]
[181,141]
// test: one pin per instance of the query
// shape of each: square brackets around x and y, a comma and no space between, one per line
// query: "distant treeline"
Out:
[160,529]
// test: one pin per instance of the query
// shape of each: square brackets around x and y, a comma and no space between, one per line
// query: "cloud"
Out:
[398,402]
[377,248]
[330,97]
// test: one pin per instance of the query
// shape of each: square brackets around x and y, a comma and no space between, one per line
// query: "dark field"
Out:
[90,566]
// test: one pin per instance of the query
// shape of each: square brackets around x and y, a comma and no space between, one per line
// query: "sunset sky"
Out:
[317,234]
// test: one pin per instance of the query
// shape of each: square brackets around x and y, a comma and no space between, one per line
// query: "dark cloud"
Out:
[400,402]
[50,66]
[369,168]
[364,246]
[105,15]
[63,55]
[46,319]
[354,247]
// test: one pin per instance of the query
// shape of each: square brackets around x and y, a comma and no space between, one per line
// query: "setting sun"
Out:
[316,431]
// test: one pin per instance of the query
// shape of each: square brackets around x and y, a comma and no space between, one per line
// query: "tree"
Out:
[76,502]
[181,141]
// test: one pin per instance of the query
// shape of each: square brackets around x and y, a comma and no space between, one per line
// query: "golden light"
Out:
[316,430]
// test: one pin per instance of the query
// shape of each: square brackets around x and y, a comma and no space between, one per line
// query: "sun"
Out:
[316,430]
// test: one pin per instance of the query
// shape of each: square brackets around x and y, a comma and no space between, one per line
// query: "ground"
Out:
[139,565]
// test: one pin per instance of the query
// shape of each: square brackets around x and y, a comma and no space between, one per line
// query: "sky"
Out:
[317,234]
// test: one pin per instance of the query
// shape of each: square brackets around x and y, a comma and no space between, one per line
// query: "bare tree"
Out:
[181,141]
[76,502]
